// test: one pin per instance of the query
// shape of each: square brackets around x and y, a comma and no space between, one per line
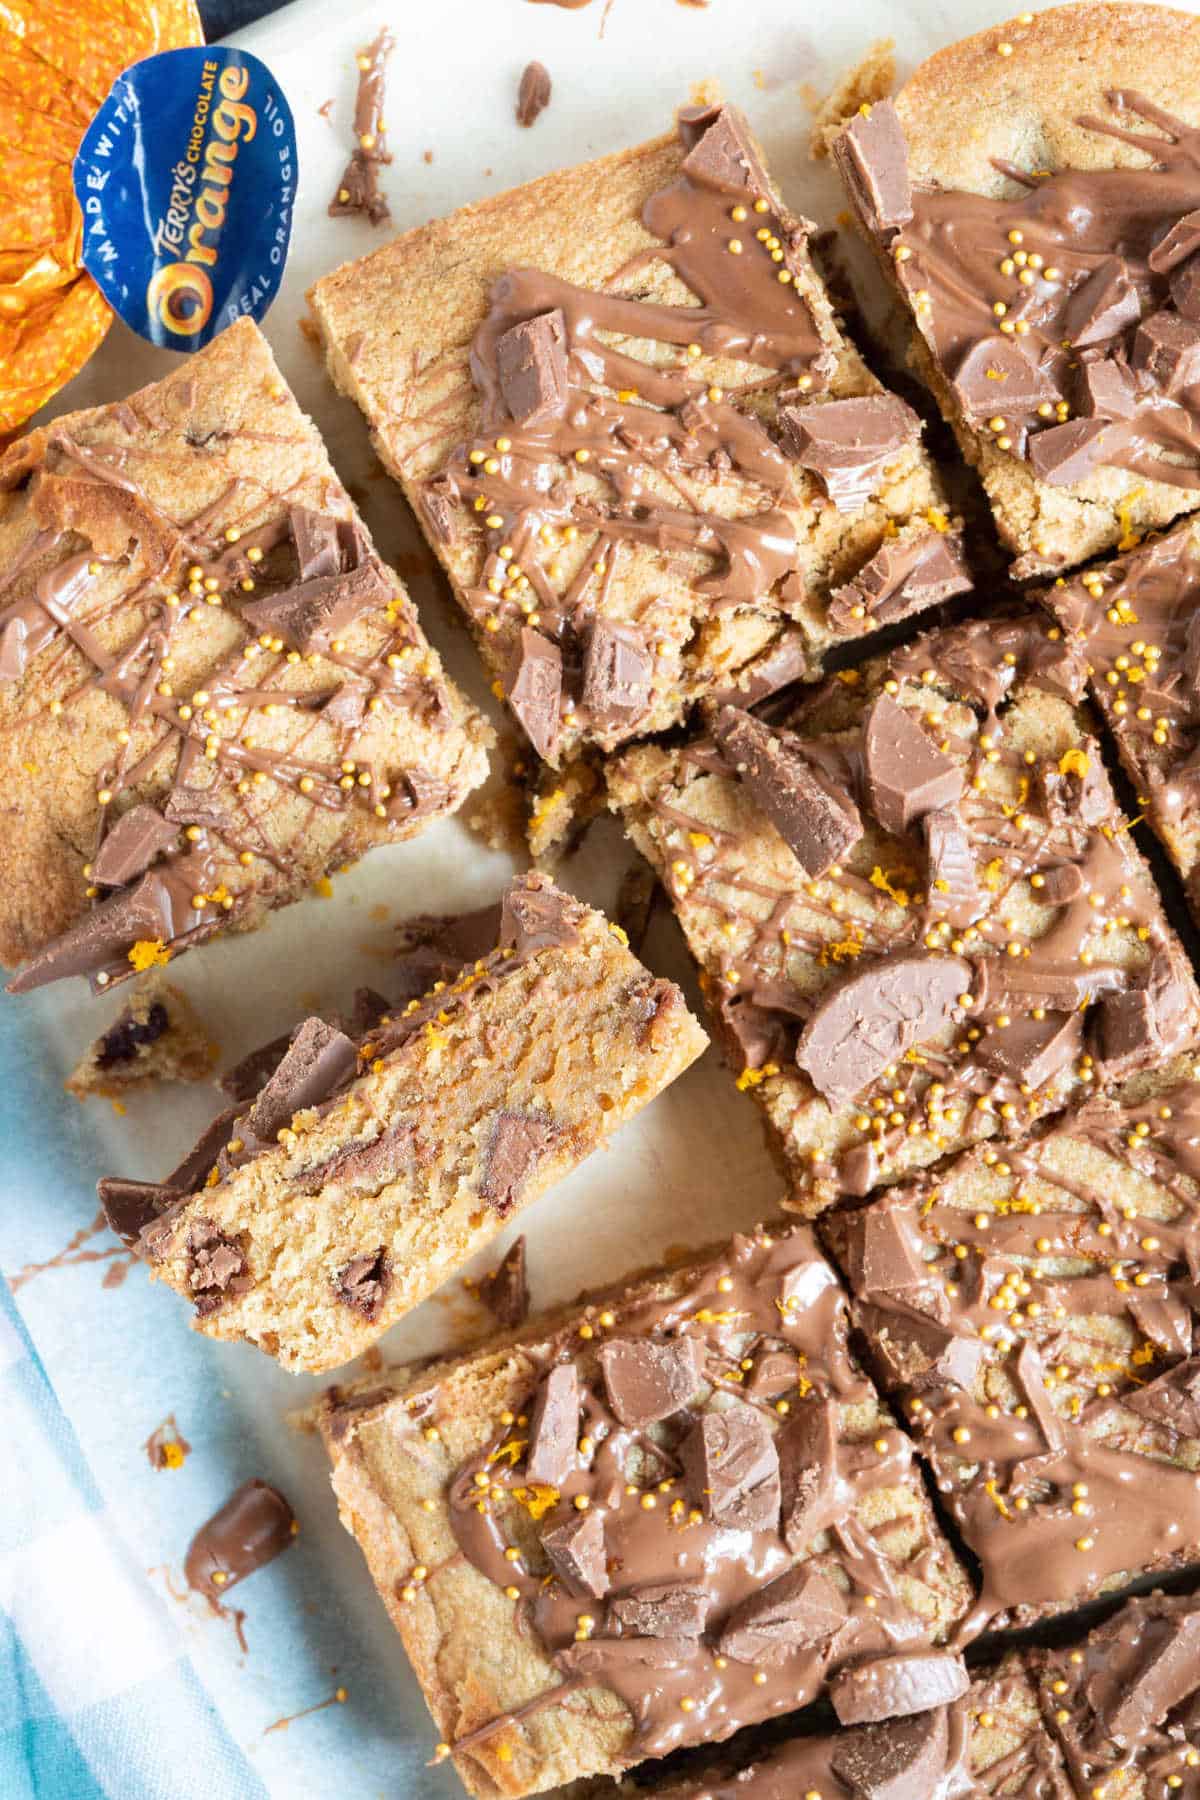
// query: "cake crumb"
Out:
[870,80]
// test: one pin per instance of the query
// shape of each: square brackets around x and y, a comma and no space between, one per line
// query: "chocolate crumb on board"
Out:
[358,192]
[516,1039]
[254,1526]
[156,1036]
[533,94]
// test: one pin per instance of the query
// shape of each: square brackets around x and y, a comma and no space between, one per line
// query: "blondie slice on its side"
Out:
[1032,195]
[918,913]
[653,466]
[1034,1313]
[354,1172]
[659,1516]
[212,692]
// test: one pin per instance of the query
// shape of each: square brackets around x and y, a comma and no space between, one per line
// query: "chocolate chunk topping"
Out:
[364,1167]
[554,1427]
[1061,885]
[248,1077]
[798,1608]
[882,1252]
[902,576]
[531,365]
[505,1291]
[104,935]
[750,1035]
[310,614]
[731,1469]
[996,376]
[317,541]
[363,1283]
[616,673]
[1180,242]
[873,158]
[1072,796]
[577,1556]
[121,1042]
[818,826]
[1167,348]
[906,776]
[193,1171]
[129,1206]
[534,688]
[537,918]
[648,1379]
[1031,1050]
[318,1060]
[1171,1399]
[890,1686]
[1103,304]
[904,1759]
[953,888]
[1065,454]
[1185,289]
[1106,389]
[216,1266]
[774,1372]
[137,839]
[659,1609]
[723,155]
[1163,1672]
[1166,1322]
[1147,1023]
[517,1144]
[875,1017]
[847,444]
[250,1530]
[533,95]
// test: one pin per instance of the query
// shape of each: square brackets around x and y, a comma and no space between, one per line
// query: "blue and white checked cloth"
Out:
[113,1681]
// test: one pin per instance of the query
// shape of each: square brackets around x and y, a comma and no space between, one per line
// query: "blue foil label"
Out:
[186,178]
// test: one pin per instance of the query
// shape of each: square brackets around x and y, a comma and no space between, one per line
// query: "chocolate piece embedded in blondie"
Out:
[156,1036]
[1125,1703]
[646,1522]
[989,1741]
[212,692]
[651,463]
[1038,225]
[1033,1310]
[918,913]
[352,1176]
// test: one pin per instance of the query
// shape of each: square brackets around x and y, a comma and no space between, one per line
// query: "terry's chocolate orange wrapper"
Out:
[187,178]
[58,60]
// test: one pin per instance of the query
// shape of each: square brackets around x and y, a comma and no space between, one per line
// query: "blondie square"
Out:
[651,463]
[989,1741]
[212,692]
[360,1163]
[918,914]
[1034,1311]
[652,1519]
[1032,196]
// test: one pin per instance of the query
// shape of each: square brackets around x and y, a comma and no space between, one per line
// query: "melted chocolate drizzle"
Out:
[672,1570]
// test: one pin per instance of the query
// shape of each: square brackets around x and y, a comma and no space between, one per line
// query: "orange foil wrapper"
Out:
[58,59]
